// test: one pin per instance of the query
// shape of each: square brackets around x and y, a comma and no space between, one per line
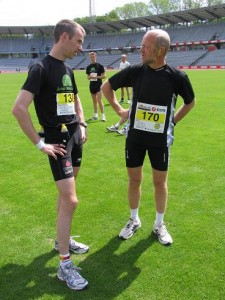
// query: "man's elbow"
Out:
[18,110]
[15,110]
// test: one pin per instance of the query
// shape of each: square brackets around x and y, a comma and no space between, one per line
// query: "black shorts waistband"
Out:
[60,133]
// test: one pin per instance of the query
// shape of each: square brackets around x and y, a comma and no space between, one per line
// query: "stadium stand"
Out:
[197,38]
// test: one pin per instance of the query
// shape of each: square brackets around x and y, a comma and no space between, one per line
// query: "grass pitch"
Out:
[139,268]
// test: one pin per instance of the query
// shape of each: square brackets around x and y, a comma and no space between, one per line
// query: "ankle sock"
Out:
[134,214]
[159,219]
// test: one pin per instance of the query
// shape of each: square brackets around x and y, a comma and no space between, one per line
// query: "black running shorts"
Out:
[62,168]
[94,89]
[135,155]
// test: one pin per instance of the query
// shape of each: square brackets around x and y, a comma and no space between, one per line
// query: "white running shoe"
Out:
[131,227]
[112,128]
[75,247]
[163,235]
[70,275]
[103,118]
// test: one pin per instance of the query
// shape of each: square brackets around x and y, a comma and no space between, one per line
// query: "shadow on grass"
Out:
[109,274]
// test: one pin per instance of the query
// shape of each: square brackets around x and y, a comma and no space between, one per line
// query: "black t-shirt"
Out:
[53,84]
[154,99]
[98,69]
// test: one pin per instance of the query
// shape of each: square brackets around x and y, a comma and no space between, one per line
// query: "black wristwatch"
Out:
[84,124]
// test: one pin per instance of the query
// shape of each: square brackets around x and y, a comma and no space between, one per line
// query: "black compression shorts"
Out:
[135,155]
[62,168]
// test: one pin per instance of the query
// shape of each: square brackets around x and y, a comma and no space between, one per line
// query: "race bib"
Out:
[65,104]
[150,117]
[94,78]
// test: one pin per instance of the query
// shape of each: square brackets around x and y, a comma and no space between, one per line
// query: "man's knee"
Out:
[135,181]
[160,184]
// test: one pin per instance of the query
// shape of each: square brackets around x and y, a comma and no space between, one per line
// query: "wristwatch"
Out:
[84,124]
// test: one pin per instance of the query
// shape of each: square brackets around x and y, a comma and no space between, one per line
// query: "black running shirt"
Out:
[97,69]
[53,84]
[155,94]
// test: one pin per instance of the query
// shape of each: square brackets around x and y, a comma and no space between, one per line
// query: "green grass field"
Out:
[139,268]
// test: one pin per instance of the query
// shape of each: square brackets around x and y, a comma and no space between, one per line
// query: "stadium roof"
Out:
[173,18]
[187,16]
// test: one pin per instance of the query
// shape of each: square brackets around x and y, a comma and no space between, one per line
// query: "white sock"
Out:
[134,214]
[96,115]
[159,218]
[117,124]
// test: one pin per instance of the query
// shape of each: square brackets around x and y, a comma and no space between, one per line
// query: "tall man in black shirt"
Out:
[156,86]
[52,87]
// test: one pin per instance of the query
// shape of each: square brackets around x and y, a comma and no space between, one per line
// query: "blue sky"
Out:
[49,12]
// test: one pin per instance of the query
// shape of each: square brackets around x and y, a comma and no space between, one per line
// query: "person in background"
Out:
[115,128]
[95,73]
[124,64]
[52,87]
[156,86]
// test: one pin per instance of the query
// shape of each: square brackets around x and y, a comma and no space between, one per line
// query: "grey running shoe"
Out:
[130,228]
[93,119]
[75,247]
[70,275]
[122,131]
[163,235]
[112,128]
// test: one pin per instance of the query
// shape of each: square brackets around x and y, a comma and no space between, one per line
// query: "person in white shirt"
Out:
[124,64]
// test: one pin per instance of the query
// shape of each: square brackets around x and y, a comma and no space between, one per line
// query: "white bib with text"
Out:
[150,117]
[65,104]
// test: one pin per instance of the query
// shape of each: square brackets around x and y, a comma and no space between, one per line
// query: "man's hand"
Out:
[54,150]
[83,134]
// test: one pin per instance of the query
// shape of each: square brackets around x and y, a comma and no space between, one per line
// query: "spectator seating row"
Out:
[175,58]
[41,45]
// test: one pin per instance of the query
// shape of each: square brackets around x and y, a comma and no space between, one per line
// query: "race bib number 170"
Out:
[150,117]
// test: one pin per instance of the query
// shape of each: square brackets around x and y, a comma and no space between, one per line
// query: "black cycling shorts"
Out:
[135,155]
[62,168]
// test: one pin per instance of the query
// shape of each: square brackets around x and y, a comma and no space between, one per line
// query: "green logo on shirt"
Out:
[66,80]
[66,84]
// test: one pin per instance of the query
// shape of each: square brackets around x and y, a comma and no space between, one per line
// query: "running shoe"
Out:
[103,118]
[93,119]
[71,276]
[121,100]
[122,131]
[163,235]
[112,128]
[131,227]
[75,247]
